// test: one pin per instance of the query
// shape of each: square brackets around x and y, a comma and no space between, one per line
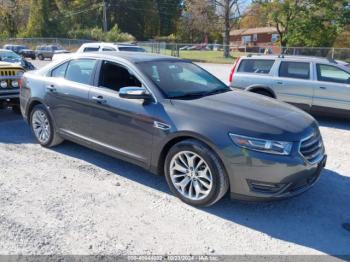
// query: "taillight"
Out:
[234,69]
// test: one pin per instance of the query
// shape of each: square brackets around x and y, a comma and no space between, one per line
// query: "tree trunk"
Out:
[227,28]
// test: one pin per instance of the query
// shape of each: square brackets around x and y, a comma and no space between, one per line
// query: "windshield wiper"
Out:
[201,94]
[217,91]
[189,95]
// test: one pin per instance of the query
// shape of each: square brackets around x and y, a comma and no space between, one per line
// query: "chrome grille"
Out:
[311,148]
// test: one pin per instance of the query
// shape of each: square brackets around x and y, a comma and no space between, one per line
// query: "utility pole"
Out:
[105,25]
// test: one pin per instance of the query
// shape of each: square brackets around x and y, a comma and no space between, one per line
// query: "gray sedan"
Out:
[174,118]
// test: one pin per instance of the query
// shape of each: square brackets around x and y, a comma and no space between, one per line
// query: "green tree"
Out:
[307,22]
[38,24]
[13,16]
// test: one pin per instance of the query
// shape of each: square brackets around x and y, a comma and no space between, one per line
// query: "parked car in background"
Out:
[317,85]
[146,109]
[22,50]
[10,75]
[48,51]
[104,47]
[13,58]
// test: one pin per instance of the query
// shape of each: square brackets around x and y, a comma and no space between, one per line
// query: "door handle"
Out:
[322,87]
[280,83]
[51,88]
[99,99]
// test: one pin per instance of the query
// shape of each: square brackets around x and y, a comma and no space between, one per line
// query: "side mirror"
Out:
[134,93]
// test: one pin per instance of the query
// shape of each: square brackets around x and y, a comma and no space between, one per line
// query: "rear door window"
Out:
[328,73]
[299,70]
[80,70]
[257,66]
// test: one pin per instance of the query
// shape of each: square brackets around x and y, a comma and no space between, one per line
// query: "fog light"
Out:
[3,84]
[14,83]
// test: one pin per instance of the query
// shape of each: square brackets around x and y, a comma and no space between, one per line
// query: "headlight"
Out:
[3,84]
[262,145]
[14,83]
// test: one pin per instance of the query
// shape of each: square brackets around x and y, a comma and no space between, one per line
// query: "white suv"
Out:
[317,85]
[103,47]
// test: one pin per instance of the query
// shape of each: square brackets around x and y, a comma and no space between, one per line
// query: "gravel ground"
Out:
[72,200]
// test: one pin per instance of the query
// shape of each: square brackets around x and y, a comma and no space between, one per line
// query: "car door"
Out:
[293,83]
[124,127]
[333,87]
[67,95]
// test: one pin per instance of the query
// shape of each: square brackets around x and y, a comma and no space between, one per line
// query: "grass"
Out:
[203,56]
[209,56]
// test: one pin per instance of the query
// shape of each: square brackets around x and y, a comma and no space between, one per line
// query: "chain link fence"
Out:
[213,53]
[68,44]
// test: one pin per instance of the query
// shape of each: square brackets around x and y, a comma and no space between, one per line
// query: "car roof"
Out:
[297,58]
[108,44]
[129,56]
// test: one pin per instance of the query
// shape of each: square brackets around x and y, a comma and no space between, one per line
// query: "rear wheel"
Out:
[195,174]
[43,128]
[40,57]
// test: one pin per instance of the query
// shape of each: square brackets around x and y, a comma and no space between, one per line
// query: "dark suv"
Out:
[48,51]
[174,118]
[21,50]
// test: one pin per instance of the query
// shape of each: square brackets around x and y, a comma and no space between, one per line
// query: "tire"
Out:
[33,57]
[40,116]
[263,93]
[16,109]
[40,57]
[198,151]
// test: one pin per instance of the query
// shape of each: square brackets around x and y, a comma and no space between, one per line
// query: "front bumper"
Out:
[257,176]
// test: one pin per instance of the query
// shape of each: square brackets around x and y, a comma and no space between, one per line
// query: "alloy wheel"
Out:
[191,175]
[41,126]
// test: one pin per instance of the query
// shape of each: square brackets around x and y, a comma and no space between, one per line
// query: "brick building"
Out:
[260,37]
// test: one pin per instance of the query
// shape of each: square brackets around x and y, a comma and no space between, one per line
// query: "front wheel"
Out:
[42,127]
[195,174]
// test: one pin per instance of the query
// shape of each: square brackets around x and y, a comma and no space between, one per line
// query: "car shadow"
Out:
[313,219]
[334,123]
[13,129]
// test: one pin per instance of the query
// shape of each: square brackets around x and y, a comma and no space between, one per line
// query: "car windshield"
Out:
[9,56]
[181,79]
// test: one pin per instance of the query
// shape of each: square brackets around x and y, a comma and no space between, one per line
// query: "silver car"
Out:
[317,85]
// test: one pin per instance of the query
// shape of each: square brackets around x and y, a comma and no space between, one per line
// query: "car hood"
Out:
[249,114]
